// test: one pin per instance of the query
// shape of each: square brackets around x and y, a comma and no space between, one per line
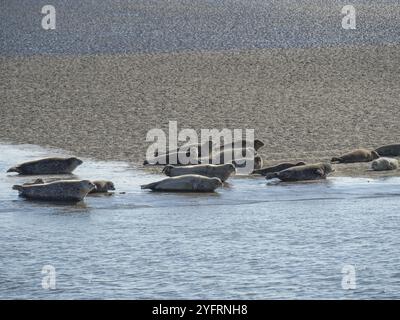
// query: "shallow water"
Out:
[250,240]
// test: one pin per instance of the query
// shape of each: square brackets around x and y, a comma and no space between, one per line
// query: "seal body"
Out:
[185,183]
[174,158]
[61,190]
[358,155]
[102,186]
[383,164]
[277,168]
[222,171]
[48,166]
[391,150]
[306,172]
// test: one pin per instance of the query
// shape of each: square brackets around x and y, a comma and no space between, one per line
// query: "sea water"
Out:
[249,240]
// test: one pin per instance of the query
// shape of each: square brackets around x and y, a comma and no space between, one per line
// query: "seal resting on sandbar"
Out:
[221,171]
[173,158]
[47,166]
[390,150]
[358,155]
[383,164]
[61,190]
[278,167]
[316,171]
[102,186]
[185,183]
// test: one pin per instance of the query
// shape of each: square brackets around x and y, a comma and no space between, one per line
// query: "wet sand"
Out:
[306,104]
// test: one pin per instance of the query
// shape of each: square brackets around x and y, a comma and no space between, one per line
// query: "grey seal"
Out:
[316,171]
[278,167]
[47,166]
[358,155]
[61,190]
[221,171]
[185,183]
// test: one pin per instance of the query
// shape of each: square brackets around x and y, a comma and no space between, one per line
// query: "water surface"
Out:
[250,240]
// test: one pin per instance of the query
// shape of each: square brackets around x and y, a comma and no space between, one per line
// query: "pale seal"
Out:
[316,171]
[277,168]
[358,155]
[383,164]
[47,166]
[185,183]
[102,186]
[390,150]
[62,190]
[221,171]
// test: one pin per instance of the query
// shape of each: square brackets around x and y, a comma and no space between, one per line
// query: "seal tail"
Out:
[14,169]
[17,187]
[271,175]
[149,186]
[335,159]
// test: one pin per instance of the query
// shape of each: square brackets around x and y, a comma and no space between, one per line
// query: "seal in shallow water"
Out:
[61,190]
[390,150]
[277,168]
[185,183]
[102,186]
[316,171]
[383,164]
[221,171]
[47,166]
[358,155]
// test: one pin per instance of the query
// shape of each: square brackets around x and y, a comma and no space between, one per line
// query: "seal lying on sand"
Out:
[102,186]
[221,171]
[358,155]
[383,164]
[62,190]
[316,171]
[186,183]
[48,166]
[391,150]
[277,168]
[172,158]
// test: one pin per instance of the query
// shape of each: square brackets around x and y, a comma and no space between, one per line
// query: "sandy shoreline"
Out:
[306,104]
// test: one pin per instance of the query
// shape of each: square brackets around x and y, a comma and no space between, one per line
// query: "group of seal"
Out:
[58,190]
[192,178]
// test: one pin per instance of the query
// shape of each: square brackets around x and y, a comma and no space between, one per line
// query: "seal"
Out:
[358,155]
[221,171]
[185,183]
[172,158]
[277,168]
[390,150]
[61,190]
[102,186]
[47,166]
[187,149]
[316,171]
[383,164]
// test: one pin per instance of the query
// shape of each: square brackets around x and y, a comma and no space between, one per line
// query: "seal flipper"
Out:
[149,186]
[14,169]
[17,187]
